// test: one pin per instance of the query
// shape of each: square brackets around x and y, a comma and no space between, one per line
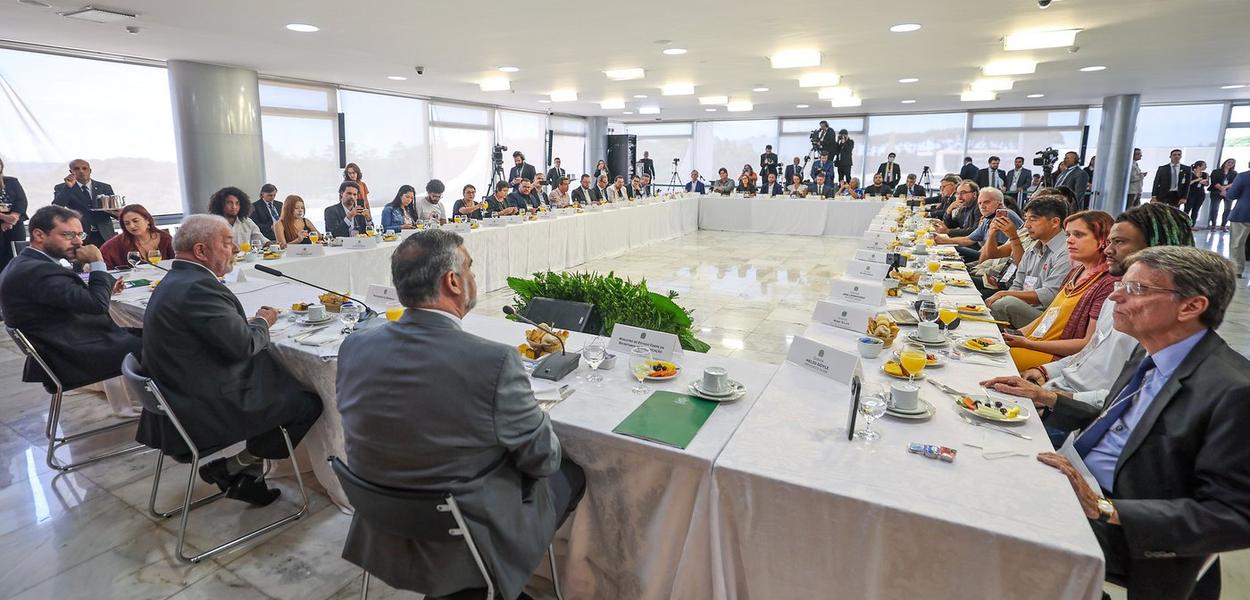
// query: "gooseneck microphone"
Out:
[369,312]
[555,366]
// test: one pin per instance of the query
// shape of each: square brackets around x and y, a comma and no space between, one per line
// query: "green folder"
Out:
[667,418]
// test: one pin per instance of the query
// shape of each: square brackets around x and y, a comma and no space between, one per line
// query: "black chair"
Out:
[154,402]
[417,515]
[19,246]
[56,440]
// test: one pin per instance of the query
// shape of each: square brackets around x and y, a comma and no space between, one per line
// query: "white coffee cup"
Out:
[316,312]
[904,396]
[715,380]
[929,332]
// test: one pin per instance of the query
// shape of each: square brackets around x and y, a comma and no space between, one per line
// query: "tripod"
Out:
[926,179]
[675,180]
[495,176]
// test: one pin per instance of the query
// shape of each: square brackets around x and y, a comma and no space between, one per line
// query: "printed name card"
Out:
[858,291]
[305,250]
[872,256]
[867,270]
[458,227]
[360,243]
[626,337]
[853,317]
[824,360]
[873,244]
[883,236]
[513,219]
[382,292]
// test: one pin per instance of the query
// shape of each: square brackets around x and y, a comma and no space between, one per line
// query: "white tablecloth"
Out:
[762,214]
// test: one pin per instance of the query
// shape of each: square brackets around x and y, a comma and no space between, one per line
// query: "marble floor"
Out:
[88,534]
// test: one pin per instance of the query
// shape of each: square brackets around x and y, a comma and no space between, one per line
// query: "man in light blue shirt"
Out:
[989,200]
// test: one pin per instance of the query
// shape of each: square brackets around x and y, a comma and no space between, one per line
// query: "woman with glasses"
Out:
[139,234]
[467,206]
[1068,323]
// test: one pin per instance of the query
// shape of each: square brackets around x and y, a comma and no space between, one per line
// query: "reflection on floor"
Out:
[88,534]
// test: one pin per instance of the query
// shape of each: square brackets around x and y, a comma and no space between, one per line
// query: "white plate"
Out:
[925,411]
[739,392]
[666,377]
[305,321]
[734,388]
[997,417]
[964,345]
[912,337]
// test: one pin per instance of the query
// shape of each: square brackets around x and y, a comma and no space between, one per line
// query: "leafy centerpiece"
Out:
[616,300]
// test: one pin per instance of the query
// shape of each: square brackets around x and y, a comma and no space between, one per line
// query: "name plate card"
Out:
[305,250]
[873,244]
[867,270]
[872,256]
[852,317]
[627,337]
[858,291]
[883,236]
[824,360]
[458,227]
[513,219]
[547,216]
[382,292]
[360,243]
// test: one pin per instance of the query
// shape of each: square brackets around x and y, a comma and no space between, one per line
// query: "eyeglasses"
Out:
[73,235]
[1137,288]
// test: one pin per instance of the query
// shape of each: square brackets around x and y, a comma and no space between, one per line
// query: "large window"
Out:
[462,138]
[665,142]
[301,150]
[54,109]
[523,132]
[568,143]
[738,143]
[1011,134]
[1194,128]
[936,141]
[386,137]
[1236,139]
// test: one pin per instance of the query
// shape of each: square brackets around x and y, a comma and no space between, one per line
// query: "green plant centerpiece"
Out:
[616,300]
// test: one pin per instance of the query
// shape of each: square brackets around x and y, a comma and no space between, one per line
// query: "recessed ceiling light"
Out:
[909,80]
[674,51]
[628,112]
[509,69]
[677,89]
[495,84]
[905,27]
[759,89]
[849,102]
[714,100]
[1035,40]
[1011,66]
[564,96]
[908,101]
[1036,96]
[819,79]
[740,106]
[1235,86]
[792,59]
[709,110]
[640,96]
[1093,68]
[975,96]
[992,84]
[649,110]
[397,78]
[802,106]
[613,104]
[831,93]
[625,74]
[303,27]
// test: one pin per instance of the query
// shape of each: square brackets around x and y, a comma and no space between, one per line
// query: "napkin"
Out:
[326,336]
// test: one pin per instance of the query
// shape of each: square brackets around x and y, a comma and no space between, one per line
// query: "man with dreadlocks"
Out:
[1080,382]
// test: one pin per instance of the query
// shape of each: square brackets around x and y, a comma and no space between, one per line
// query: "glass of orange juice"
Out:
[933,266]
[913,359]
[947,314]
[154,257]
[394,311]
[939,285]
[245,247]
[314,237]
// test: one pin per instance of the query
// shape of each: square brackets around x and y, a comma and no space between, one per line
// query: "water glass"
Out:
[928,311]
[640,366]
[134,258]
[349,314]
[154,257]
[594,353]
[871,407]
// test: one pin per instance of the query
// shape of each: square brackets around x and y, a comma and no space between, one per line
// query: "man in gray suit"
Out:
[1072,177]
[1169,450]
[456,414]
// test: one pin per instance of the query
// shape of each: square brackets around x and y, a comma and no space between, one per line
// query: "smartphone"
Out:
[1015,332]
[1002,212]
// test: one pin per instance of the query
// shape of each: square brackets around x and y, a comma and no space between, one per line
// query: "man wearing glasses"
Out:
[66,316]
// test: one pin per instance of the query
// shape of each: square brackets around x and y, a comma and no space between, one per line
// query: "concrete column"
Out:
[217,130]
[1115,153]
[596,141]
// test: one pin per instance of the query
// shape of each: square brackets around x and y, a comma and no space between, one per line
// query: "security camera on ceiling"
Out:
[420,70]
[1044,4]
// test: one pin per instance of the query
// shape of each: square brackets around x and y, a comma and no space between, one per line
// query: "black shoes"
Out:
[247,485]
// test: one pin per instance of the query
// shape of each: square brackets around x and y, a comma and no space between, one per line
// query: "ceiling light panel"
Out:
[625,74]
[495,84]
[794,59]
[1035,40]
[677,89]
[819,79]
[706,100]
[1011,66]
[992,84]
[564,96]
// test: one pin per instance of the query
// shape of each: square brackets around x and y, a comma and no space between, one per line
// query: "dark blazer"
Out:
[1218,177]
[554,175]
[98,225]
[582,196]
[598,195]
[827,141]
[893,175]
[916,190]
[877,190]
[776,190]
[520,201]
[792,170]
[1026,178]
[66,319]
[969,171]
[212,364]
[1077,181]
[1182,483]
[846,152]
[1162,186]
[429,422]
[336,225]
[695,186]
[524,171]
[765,167]
[263,219]
[648,167]
[828,191]
[819,165]
[15,196]
[983,178]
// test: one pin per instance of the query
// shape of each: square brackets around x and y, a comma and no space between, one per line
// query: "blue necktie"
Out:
[1099,428]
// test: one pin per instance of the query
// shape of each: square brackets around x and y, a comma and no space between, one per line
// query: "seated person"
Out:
[499,205]
[600,191]
[636,189]
[821,187]
[520,199]
[467,206]
[745,187]
[1169,453]
[1041,270]
[560,197]
[293,227]
[429,206]
[694,185]
[647,190]
[850,189]
[213,366]
[959,213]
[66,318]
[493,444]
[878,187]
[584,192]
[797,189]
[911,188]
[723,186]
[1068,323]
[989,201]
[538,194]
[400,213]
[772,187]
[139,234]
[347,218]
[618,192]
[233,204]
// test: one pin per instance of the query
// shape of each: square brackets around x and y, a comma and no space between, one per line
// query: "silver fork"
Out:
[975,423]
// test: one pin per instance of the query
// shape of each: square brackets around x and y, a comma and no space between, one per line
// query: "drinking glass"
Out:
[594,353]
[871,407]
[928,311]
[349,314]
[134,258]
[370,231]
[639,366]
[912,359]
[154,257]
[314,237]
[934,266]
[394,311]
[939,285]
[245,247]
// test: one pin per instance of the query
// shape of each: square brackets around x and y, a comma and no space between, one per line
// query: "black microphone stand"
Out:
[555,366]
[369,312]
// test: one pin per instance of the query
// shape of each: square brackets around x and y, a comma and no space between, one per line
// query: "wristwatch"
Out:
[1105,510]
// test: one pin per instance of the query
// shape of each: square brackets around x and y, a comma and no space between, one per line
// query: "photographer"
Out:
[768,166]
[822,165]
[823,140]
[844,154]
[520,171]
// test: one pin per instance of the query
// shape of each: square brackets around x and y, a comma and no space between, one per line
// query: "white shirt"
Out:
[425,210]
[454,319]
[1135,179]
[245,230]
[1090,373]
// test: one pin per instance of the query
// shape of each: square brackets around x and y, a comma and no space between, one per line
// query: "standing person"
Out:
[354,174]
[991,175]
[78,192]
[520,170]
[968,171]
[13,207]
[1221,179]
[768,165]
[294,227]
[556,172]
[400,213]
[794,169]
[467,206]
[266,210]
[1196,193]
[825,140]
[601,170]
[1135,179]
[232,204]
[845,155]
[1171,180]
[1239,195]
[139,234]
[891,174]
[1072,175]
[647,165]
[1018,179]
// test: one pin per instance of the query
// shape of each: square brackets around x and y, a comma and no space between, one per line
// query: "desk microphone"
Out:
[556,366]
[369,312]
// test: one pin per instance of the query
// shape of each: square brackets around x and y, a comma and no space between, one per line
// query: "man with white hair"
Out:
[989,201]
[213,365]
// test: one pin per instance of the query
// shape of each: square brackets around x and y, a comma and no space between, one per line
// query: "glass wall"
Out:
[54,109]
[796,140]
[386,137]
[738,143]
[1011,134]
[1194,128]
[301,145]
[463,139]
[569,144]
[937,141]
[524,132]
[1236,139]
[666,141]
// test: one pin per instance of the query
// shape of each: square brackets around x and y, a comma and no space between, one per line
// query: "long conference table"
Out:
[770,500]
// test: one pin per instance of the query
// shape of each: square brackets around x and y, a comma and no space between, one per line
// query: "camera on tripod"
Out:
[1046,158]
[496,155]
[675,161]
[814,138]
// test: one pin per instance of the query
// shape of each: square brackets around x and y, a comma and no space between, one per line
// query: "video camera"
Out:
[496,154]
[814,138]
[675,161]
[1046,158]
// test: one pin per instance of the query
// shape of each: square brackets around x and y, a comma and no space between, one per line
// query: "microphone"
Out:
[369,312]
[555,366]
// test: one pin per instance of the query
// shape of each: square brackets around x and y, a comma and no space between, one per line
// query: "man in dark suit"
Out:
[821,187]
[910,188]
[694,185]
[522,198]
[538,196]
[822,165]
[584,193]
[891,173]
[992,176]
[66,319]
[844,155]
[794,169]
[647,166]
[772,187]
[946,196]
[768,164]
[213,366]
[520,170]
[969,170]
[1072,176]
[1018,180]
[599,193]
[347,218]
[1168,453]
[556,172]
[825,140]
[645,189]
[493,447]
[1172,180]
[13,217]
[78,192]
[266,210]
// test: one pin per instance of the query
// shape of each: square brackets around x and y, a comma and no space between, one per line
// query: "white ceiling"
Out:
[1167,50]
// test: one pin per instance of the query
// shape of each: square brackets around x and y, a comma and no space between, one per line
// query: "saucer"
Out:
[306,321]
[738,392]
[924,410]
[913,337]
[734,388]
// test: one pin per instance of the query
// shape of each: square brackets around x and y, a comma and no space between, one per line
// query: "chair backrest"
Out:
[27,348]
[424,516]
[565,314]
[19,246]
[140,385]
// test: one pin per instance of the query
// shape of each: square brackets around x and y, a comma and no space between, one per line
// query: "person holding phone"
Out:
[347,218]
[78,192]
[989,200]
